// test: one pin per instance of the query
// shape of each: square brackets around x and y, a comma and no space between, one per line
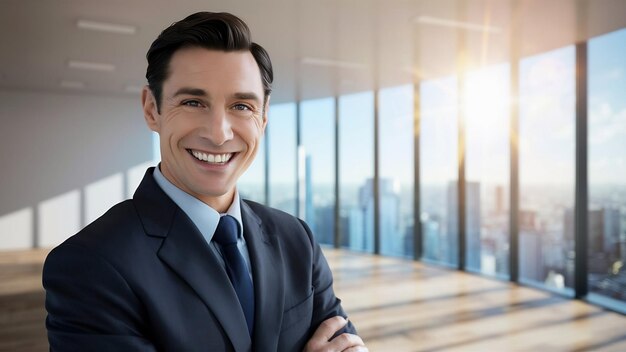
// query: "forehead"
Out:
[213,70]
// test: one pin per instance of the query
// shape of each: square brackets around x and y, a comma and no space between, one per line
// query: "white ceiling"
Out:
[328,46]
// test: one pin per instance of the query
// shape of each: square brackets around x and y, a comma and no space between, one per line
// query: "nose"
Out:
[218,127]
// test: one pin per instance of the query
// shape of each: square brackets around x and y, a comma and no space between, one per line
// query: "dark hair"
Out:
[210,30]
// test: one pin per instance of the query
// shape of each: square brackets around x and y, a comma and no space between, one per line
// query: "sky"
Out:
[607,109]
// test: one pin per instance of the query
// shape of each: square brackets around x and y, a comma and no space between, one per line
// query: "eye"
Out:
[192,103]
[242,107]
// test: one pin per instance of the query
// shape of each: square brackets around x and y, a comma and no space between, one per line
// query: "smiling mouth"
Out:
[210,158]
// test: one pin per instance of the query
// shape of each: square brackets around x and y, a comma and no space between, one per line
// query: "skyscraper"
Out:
[431,230]
[391,241]
[472,224]
[603,227]
[500,207]
[531,260]
[359,239]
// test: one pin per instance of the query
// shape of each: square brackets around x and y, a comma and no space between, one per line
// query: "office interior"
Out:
[462,162]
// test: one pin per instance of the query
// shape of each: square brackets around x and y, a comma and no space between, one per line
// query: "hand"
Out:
[321,339]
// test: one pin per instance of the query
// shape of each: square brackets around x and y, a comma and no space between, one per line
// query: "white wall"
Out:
[63,154]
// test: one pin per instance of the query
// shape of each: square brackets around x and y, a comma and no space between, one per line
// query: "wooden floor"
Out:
[397,305]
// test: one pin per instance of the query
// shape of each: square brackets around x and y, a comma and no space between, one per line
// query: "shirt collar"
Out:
[202,215]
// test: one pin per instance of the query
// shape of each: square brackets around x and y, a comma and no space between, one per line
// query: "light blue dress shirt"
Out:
[203,216]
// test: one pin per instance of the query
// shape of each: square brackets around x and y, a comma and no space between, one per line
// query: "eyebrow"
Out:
[202,93]
[191,91]
[247,96]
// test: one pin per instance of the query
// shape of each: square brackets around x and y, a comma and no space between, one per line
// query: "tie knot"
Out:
[227,231]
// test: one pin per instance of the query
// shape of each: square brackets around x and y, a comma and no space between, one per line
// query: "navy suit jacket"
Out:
[142,278]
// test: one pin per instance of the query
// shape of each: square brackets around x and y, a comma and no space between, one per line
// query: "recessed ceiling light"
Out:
[443,22]
[333,63]
[91,66]
[106,27]
[72,84]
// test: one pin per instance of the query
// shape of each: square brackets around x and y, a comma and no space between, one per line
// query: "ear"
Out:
[150,111]
[266,110]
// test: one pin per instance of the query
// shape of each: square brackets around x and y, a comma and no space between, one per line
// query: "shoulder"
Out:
[113,225]
[116,236]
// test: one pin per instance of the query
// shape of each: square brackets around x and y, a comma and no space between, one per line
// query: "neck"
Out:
[220,203]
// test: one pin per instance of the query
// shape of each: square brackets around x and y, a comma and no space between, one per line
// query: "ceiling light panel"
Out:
[443,22]
[106,27]
[91,66]
[314,61]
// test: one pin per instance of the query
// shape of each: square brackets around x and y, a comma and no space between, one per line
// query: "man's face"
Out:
[211,121]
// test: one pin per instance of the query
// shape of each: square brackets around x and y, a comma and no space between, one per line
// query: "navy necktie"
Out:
[226,236]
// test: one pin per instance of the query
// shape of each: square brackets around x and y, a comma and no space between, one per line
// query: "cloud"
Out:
[607,126]
[615,74]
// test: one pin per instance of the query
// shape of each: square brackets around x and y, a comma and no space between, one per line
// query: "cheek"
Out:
[251,133]
[177,126]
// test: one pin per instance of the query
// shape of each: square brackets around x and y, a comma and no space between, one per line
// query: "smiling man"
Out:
[210,120]
[186,265]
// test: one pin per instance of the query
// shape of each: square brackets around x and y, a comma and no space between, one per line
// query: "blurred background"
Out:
[483,136]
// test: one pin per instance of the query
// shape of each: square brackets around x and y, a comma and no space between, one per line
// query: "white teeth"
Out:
[212,158]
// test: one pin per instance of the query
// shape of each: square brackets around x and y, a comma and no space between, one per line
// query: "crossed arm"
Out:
[322,338]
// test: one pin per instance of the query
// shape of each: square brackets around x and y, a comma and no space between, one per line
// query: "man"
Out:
[185,265]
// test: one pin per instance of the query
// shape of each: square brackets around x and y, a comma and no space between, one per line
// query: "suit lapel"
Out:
[186,252]
[265,258]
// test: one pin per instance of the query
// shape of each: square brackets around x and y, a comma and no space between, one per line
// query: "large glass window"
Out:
[396,170]
[439,169]
[546,164]
[356,170]
[281,139]
[318,143]
[607,167]
[487,167]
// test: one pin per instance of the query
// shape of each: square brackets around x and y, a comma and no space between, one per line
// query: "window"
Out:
[396,170]
[607,168]
[439,170]
[281,139]
[356,171]
[318,144]
[546,163]
[487,165]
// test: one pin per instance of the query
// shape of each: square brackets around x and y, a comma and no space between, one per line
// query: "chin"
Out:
[214,192]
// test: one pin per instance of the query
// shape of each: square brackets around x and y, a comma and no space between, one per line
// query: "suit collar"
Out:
[156,210]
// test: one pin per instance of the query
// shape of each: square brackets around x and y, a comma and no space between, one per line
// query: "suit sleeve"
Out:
[325,304]
[90,305]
